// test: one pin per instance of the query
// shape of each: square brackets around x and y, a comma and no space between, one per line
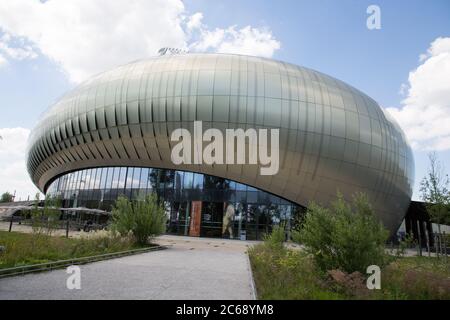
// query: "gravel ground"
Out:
[190,268]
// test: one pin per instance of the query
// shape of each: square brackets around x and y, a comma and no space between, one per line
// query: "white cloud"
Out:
[195,21]
[425,112]
[3,61]
[16,48]
[86,37]
[13,172]
[247,40]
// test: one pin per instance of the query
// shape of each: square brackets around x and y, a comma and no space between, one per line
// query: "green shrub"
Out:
[276,238]
[345,236]
[143,218]
[293,274]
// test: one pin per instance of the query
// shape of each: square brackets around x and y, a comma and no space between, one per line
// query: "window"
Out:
[198,181]
[115,178]
[103,178]
[188,180]
[122,178]
[178,180]
[136,178]
[144,178]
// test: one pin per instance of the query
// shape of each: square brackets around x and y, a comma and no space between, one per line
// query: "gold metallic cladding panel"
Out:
[331,135]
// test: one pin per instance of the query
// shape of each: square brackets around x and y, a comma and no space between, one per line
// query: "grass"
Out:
[282,273]
[418,278]
[286,274]
[26,249]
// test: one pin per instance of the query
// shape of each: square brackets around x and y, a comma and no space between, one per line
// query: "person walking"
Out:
[228,219]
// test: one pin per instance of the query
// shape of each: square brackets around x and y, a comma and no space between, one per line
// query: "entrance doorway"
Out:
[206,219]
[195,223]
[212,219]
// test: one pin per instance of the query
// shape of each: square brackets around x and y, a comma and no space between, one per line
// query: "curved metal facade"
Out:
[332,136]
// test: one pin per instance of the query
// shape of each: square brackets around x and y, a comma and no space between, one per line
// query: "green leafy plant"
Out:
[345,236]
[408,242]
[276,238]
[143,218]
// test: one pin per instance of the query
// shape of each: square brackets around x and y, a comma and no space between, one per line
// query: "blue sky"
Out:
[332,37]
[329,36]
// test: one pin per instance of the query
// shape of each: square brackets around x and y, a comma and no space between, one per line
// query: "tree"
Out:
[345,236]
[434,189]
[6,197]
[143,218]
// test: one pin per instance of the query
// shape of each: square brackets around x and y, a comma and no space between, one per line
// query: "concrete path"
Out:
[191,268]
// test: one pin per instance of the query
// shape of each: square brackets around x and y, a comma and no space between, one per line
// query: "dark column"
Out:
[430,232]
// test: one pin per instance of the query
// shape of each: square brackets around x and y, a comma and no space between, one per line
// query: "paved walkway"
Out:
[191,268]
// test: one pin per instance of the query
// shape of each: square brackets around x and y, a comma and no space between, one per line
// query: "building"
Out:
[111,136]
[419,225]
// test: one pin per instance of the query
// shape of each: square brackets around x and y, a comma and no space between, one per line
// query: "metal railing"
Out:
[51,265]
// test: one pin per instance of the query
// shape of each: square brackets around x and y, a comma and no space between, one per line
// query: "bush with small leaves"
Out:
[276,238]
[143,218]
[345,236]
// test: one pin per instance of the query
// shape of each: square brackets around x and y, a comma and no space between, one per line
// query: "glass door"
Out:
[212,219]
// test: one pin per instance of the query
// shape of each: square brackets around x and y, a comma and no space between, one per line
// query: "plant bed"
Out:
[51,265]
[282,273]
[30,251]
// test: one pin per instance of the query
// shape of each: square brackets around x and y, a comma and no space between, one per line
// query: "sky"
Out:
[48,47]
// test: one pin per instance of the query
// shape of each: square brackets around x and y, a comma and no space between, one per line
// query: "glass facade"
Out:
[256,211]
